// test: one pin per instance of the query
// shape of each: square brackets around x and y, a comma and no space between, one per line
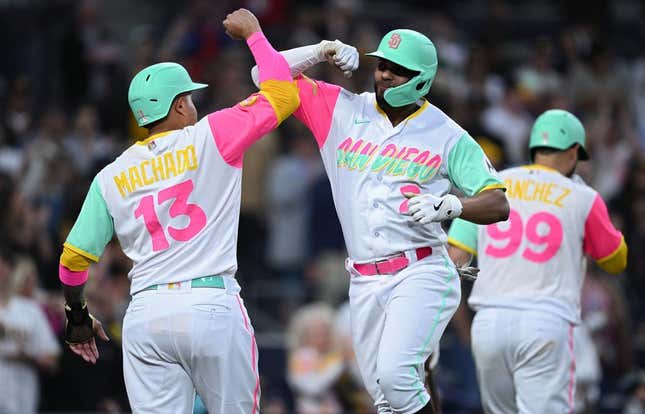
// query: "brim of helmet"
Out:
[194,86]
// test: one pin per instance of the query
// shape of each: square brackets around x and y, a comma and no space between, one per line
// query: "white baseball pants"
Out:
[397,320]
[179,341]
[525,361]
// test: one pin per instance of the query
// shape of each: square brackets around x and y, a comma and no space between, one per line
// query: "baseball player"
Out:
[391,157]
[173,201]
[527,295]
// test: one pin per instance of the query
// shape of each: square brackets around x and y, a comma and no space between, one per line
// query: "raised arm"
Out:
[236,129]
[344,57]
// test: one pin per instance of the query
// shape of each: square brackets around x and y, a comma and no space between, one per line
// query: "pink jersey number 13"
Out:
[179,193]
[551,238]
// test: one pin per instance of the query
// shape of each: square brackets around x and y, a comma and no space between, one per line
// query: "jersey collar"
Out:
[540,167]
[155,136]
[414,114]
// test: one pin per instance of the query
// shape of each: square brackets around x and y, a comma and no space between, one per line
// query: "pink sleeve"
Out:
[70,277]
[236,129]
[271,64]
[317,102]
[601,238]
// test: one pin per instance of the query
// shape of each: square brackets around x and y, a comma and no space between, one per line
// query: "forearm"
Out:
[459,256]
[299,60]
[271,64]
[74,294]
[487,207]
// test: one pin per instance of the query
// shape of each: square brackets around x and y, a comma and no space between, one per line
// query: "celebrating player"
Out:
[392,157]
[527,295]
[173,201]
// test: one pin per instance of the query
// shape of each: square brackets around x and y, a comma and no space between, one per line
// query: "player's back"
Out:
[175,206]
[535,258]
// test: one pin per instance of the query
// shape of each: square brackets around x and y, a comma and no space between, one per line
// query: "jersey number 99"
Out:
[179,193]
[516,231]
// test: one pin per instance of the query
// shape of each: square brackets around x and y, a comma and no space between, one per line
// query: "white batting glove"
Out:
[468,273]
[344,57]
[427,208]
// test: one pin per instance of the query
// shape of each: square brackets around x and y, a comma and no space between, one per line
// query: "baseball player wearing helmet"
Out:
[392,157]
[527,295]
[173,201]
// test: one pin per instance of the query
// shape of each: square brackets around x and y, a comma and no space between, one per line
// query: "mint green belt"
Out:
[212,281]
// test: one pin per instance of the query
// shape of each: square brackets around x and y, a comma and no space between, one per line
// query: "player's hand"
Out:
[468,273]
[80,329]
[337,53]
[241,24]
[427,208]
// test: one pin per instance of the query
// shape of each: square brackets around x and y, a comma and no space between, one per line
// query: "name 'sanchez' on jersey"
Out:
[530,190]
[162,167]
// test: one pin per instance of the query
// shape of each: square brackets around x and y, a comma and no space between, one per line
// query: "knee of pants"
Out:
[400,386]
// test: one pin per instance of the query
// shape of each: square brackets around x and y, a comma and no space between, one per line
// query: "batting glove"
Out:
[80,325]
[427,208]
[468,273]
[344,57]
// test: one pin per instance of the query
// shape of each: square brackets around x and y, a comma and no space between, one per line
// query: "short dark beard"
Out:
[380,100]
[572,171]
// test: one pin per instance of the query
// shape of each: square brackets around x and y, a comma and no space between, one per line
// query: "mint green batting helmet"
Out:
[153,89]
[413,51]
[558,129]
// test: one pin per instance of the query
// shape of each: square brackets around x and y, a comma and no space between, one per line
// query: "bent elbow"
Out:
[283,96]
[294,97]
[500,210]
[255,76]
[616,262]
[504,210]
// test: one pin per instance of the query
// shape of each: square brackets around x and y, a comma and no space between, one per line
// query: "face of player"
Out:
[184,111]
[389,75]
[191,111]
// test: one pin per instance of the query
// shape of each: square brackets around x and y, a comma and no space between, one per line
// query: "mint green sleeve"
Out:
[93,228]
[463,234]
[469,169]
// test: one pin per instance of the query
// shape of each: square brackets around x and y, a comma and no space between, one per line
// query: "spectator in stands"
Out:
[315,361]
[27,345]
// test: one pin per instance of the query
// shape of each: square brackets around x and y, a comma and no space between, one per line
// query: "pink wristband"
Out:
[70,277]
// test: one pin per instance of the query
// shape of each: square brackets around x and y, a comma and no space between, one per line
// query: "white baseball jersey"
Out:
[370,164]
[534,260]
[173,200]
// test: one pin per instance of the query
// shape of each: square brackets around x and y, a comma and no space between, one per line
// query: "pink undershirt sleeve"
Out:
[601,237]
[271,64]
[236,129]
[317,103]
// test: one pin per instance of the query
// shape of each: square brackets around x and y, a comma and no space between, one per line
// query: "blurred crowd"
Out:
[64,115]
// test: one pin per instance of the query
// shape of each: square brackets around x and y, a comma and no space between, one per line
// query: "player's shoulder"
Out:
[430,116]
